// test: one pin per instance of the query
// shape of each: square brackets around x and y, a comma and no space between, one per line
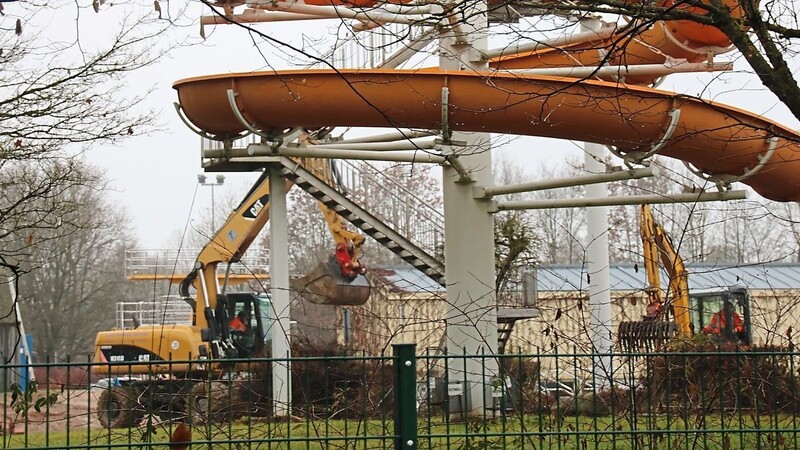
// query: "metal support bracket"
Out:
[447,134]
[203,134]
[724,181]
[636,156]
[446,149]
[269,139]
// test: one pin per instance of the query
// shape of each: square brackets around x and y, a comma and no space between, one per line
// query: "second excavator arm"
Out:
[658,246]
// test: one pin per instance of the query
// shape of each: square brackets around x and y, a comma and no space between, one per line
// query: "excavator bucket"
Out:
[645,335]
[325,285]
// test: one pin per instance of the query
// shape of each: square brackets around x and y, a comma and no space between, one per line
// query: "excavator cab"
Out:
[723,314]
[249,339]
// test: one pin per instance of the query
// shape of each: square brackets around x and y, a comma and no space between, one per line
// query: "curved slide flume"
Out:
[715,138]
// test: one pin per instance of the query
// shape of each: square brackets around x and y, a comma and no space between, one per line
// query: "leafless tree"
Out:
[61,93]
[561,229]
[518,244]
[76,272]
[65,88]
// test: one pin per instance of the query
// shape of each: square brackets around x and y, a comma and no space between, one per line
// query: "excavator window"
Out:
[265,311]
[722,316]
[251,340]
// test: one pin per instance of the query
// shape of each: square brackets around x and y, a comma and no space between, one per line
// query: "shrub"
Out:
[699,374]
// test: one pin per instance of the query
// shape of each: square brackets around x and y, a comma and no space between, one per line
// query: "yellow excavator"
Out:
[140,361]
[680,312]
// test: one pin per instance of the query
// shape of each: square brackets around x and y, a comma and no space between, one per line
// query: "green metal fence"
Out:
[725,398]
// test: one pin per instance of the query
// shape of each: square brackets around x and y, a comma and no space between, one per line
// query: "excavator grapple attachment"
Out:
[325,285]
[645,335]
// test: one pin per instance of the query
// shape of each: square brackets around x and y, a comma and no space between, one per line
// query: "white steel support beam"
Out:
[411,144]
[341,12]
[388,137]
[256,150]
[581,180]
[614,201]
[654,70]
[469,229]
[255,16]
[280,294]
[558,42]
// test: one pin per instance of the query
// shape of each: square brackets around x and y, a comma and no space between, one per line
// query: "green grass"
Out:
[734,431]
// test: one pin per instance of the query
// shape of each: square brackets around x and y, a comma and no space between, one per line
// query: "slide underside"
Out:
[717,139]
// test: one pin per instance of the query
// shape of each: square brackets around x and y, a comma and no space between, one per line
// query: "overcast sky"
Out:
[155,177]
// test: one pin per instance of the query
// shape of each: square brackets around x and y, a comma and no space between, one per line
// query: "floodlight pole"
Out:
[220,179]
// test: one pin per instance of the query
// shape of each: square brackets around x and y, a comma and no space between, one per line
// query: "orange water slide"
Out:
[647,42]
[654,43]
[718,139]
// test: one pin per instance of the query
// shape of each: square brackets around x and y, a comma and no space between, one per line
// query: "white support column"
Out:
[598,269]
[279,276]
[469,230]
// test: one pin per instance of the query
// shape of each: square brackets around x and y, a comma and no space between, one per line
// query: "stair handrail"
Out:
[426,228]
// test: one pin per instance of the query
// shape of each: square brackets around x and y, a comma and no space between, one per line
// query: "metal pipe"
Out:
[410,144]
[616,201]
[310,152]
[404,9]
[256,16]
[581,180]
[336,12]
[388,137]
[655,70]
[561,41]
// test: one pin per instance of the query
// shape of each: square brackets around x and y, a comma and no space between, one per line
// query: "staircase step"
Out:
[350,211]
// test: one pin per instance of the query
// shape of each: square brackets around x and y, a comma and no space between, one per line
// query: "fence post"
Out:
[405,396]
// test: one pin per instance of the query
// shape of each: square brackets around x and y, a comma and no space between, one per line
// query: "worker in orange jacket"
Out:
[717,324]
[238,323]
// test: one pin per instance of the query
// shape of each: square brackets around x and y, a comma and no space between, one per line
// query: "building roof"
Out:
[405,278]
[623,277]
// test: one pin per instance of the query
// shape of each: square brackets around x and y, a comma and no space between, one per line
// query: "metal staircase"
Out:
[416,246]
[418,242]
[504,329]
[379,228]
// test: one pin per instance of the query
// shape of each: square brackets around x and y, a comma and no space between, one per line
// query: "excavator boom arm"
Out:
[244,224]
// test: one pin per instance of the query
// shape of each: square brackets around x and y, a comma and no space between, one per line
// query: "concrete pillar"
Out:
[280,294]
[469,230]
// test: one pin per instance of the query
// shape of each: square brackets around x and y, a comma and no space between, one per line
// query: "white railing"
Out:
[166,311]
[176,262]
[370,48]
